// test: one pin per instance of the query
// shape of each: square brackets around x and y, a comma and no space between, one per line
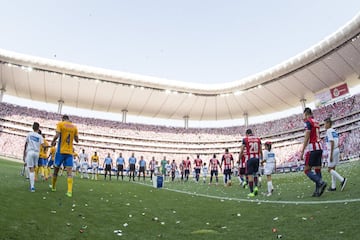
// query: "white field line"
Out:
[254,200]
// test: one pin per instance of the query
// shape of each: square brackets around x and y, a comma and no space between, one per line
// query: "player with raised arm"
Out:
[332,143]
[312,152]
[251,149]
[31,152]
[270,166]
[228,161]
[66,132]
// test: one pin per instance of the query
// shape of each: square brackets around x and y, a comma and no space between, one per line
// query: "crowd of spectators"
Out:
[106,136]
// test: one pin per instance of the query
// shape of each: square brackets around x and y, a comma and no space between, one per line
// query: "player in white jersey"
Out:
[270,166]
[76,163]
[332,143]
[204,171]
[84,164]
[168,168]
[31,152]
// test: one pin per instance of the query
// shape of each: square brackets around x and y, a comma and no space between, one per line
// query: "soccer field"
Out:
[177,211]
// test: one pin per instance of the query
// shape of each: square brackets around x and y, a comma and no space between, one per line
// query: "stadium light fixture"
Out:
[238,93]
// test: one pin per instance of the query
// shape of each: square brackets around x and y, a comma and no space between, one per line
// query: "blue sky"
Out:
[202,41]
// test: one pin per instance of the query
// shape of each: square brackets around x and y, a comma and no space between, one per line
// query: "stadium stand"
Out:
[105,136]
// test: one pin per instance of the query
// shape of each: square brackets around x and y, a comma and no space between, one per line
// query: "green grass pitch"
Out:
[177,211]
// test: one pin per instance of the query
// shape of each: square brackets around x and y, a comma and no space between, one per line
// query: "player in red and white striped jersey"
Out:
[251,150]
[228,161]
[187,167]
[214,168]
[198,163]
[313,152]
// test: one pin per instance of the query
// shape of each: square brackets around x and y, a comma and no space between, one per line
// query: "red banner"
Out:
[339,90]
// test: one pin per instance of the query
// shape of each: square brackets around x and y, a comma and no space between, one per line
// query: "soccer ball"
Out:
[229,183]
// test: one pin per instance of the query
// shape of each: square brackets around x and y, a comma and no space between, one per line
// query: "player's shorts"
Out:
[85,166]
[163,171]
[214,172]
[41,162]
[197,170]
[142,169]
[120,167]
[336,156]
[50,163]
[187,171]
[313,158]
[76,165]
[132,167]
[252,166]
[95,166]
[66,159]
[32,159]
[242,171]
[269,168]
[227,171]
[107,167]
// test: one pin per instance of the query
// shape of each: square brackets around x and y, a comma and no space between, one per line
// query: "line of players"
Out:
[250,157]
[181,172]
[82,165]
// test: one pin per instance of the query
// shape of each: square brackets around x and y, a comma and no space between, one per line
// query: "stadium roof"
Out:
[332,61]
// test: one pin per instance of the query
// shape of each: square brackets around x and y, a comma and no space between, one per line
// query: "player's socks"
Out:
[36,173]
[318,173]
[70,184]
[42,171]
[53,182]
[337,175]
[251,186]
[46,173]
[269,186]
[314,177]
[256,180]
[333,182]
[32,179]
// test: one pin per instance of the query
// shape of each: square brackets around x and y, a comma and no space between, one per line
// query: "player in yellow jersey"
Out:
[95,166]
[51,159]
[42,164]
[66,132]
